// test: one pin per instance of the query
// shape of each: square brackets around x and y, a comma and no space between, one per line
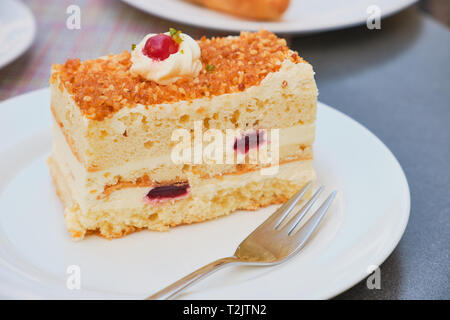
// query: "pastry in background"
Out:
[253,9]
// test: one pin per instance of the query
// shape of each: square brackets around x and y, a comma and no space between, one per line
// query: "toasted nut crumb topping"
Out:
[103,86]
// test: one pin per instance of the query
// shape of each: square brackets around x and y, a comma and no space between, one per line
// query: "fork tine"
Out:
[279,215]
[294,221]
[308,228]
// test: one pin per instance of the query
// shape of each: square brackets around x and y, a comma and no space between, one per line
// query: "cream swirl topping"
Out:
[185,62]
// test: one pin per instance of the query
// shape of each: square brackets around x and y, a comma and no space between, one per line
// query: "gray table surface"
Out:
[395,81]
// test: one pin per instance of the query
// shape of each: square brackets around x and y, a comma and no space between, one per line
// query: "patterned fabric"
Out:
[107,26]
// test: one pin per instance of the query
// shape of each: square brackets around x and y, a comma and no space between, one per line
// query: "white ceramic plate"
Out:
[17,30]
[303,16]
[361,229]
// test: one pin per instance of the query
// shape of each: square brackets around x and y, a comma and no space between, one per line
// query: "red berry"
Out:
[249,141]
[169,191]
[160,47]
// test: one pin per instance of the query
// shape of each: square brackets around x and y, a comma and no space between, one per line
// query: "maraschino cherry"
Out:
[160,47]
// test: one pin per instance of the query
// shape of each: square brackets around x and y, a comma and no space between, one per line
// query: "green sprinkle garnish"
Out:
[172,31]
[210,67]
[175,34]
[133,46]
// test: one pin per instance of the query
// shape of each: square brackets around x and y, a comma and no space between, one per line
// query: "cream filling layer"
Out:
[134,197]
[296,135]
[90,184]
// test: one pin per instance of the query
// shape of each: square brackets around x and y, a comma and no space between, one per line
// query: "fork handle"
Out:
[176,287]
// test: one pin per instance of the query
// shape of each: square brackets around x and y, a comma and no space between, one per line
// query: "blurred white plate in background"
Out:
[303,16]
[17,30]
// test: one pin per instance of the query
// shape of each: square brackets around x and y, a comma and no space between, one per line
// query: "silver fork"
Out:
[270,244]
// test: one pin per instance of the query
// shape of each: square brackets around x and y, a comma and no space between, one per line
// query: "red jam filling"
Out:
[249,141]
[168,192]
[160,47]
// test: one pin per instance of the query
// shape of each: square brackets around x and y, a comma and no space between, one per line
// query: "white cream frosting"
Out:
[185,62]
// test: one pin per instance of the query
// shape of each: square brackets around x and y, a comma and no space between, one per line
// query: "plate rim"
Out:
[30,40]
[275,28]
[387,249]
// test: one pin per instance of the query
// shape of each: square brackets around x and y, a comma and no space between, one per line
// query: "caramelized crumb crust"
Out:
[102,86]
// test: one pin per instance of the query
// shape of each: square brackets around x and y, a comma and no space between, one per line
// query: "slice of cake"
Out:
[180,131]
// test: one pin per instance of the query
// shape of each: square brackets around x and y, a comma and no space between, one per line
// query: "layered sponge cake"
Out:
[119,121]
